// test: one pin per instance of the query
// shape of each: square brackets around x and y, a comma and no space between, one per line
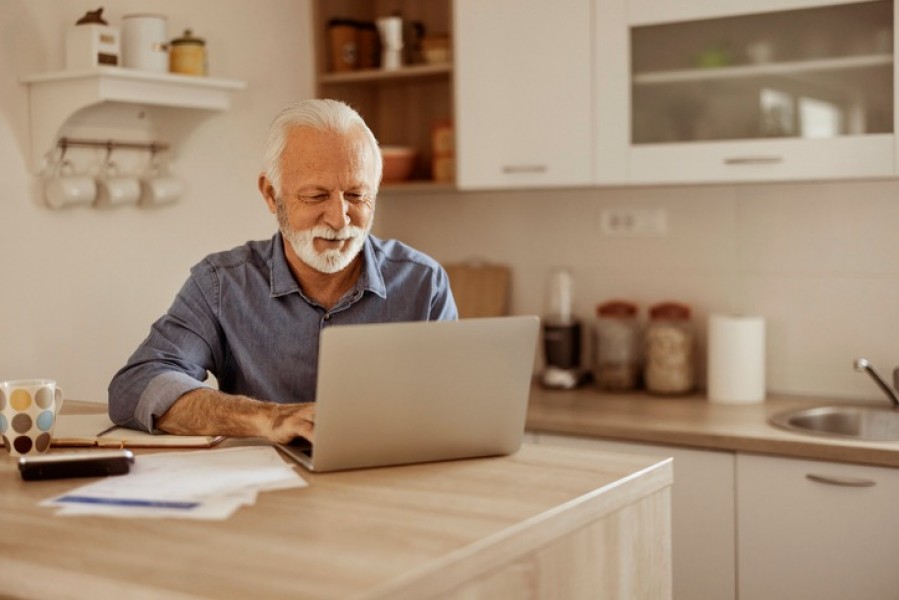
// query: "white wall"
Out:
[820,261]
[81,287]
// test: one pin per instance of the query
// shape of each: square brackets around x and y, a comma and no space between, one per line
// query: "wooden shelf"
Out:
[380,75]
[418,185]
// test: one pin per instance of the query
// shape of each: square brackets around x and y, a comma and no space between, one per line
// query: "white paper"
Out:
[196,484]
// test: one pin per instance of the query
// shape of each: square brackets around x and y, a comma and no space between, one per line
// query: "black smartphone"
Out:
[93,463]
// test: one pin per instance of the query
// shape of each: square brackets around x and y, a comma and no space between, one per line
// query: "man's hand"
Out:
[210,412]
[292,420]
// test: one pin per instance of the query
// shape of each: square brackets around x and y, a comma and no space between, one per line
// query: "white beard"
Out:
[328,261]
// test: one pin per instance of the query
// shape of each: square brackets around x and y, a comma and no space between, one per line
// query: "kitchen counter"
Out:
[542,523]
[692,421]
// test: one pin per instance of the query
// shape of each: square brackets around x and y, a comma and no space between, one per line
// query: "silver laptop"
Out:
[398,393]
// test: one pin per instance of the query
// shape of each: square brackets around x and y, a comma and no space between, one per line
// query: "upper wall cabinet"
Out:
[523,91]
[517,88]
[738,91]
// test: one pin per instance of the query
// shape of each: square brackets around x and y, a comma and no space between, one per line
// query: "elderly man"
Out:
[251,316]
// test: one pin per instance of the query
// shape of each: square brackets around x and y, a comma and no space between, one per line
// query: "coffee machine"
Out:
[561,335]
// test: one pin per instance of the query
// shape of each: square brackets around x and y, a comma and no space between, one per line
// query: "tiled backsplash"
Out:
[820,261]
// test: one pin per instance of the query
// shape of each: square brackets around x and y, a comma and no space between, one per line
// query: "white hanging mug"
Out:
[116,189]
[67,188]
[159,186]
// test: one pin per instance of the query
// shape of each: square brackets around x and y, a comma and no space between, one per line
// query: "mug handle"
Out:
[58,398]
[66,167]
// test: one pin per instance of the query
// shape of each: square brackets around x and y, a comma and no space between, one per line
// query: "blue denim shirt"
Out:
[242,316]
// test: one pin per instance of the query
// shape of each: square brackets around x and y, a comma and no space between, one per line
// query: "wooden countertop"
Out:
[400,532]
[692,421]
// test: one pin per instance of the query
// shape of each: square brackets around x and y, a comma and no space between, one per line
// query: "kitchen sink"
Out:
[863,423]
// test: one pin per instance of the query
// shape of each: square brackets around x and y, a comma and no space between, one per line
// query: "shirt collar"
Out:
[283,282]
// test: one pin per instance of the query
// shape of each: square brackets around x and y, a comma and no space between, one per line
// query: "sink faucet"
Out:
[862,364]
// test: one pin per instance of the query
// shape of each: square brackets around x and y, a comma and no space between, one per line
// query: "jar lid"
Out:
[92,17]
[188,39]
[145,16]
[670,310]
[617,308]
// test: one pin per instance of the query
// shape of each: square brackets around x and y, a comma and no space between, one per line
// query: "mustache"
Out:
[344,233]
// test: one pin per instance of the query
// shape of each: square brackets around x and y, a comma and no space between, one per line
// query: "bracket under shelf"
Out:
[56,97]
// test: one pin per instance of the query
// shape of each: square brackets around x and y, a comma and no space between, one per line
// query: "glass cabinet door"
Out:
[823,72]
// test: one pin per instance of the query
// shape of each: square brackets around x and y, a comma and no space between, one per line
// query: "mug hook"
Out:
[62,162]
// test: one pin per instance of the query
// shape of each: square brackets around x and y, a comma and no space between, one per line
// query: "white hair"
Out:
[319,114]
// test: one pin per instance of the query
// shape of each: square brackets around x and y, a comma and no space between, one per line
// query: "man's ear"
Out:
[268,193]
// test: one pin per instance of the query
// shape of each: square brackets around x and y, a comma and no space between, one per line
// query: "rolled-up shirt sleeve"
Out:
[175,358]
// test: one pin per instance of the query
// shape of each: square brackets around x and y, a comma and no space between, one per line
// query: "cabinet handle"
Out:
[524,169]
[753,160]
[844,481]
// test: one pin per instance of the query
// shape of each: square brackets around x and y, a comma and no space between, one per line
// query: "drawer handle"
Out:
[844,481]
[524,169]
[753,160]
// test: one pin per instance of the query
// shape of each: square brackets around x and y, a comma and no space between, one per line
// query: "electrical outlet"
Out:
[633,222]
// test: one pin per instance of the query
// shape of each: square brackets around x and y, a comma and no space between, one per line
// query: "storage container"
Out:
[616,346]
[670,355]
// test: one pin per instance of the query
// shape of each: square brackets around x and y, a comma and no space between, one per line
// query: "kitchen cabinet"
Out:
[703,535]
[123,100]
[523,92]
[518,90]
[402,106]
[634,92]
[815,530]
[759,527]
[732,91]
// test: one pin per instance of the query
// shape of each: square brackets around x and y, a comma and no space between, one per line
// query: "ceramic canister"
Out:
[145,42]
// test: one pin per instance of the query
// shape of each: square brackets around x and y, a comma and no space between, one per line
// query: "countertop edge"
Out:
[694,423]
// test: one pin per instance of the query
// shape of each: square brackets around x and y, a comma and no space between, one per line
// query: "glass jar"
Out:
[616,346]
[670,357]
[187,55]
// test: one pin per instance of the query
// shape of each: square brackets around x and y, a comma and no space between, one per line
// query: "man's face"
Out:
[326,204]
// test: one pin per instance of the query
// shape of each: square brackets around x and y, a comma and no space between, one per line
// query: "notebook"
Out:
[399,393]
[96,429]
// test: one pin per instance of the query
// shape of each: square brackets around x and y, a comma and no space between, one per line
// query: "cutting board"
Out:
[480,289]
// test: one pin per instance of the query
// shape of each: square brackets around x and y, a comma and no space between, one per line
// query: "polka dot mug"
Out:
[28,409]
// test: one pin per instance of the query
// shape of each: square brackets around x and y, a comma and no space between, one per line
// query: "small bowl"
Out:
[399,162]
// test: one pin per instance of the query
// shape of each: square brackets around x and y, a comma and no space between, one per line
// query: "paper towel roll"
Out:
[736,359]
